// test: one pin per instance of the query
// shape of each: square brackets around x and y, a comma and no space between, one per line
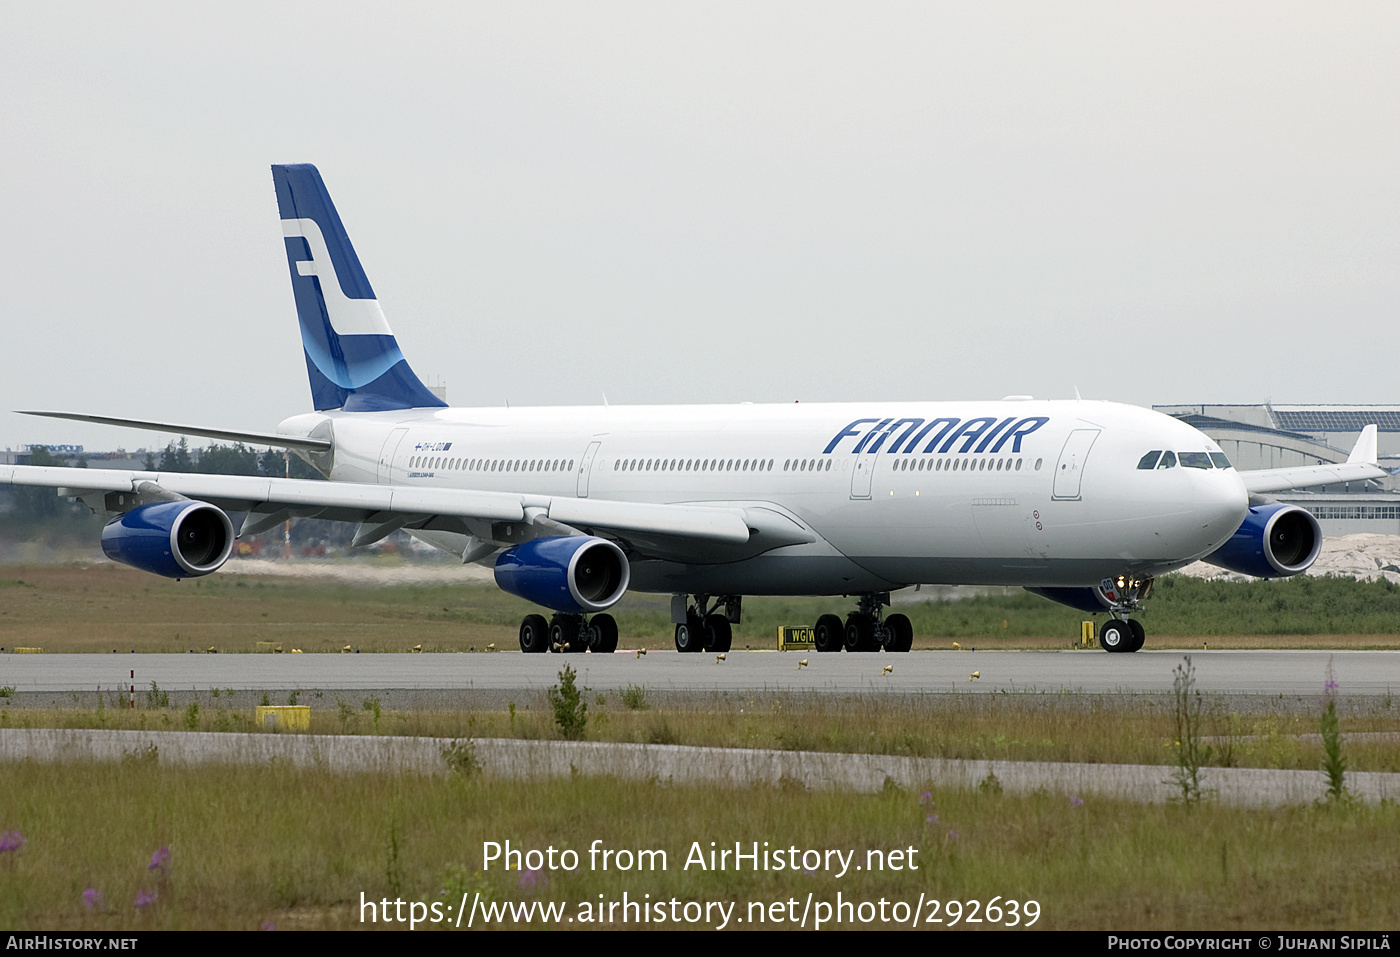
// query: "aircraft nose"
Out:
[1221,503]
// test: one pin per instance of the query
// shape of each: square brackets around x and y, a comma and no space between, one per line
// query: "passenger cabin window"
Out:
[1149,461]
[1194,460]
[1168,460]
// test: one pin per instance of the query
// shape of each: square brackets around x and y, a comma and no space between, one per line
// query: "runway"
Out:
[1289,673]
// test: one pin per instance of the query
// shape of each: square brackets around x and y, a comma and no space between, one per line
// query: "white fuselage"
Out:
[1019,492]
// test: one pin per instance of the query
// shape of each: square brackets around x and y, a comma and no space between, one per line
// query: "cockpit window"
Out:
[1195,460]
[1221,462]
[1149,461]
[1168,460]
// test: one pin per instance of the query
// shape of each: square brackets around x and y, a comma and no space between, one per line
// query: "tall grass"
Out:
[297,849]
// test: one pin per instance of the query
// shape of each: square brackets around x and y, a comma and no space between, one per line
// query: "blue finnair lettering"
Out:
[1019,431]
[860,446]
[849,430]
[985,427]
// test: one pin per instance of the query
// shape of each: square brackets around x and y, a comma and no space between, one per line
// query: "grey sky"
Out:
[704,202]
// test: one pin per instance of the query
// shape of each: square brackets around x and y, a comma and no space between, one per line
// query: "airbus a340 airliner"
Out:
[1082,502]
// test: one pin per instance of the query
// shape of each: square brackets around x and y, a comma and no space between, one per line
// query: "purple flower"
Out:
[931,819]
[952,835]
[926,798]
[268,925]
[92,898]
[532,878]
[159,859]
[145,899]
[11,841]
[1076,801]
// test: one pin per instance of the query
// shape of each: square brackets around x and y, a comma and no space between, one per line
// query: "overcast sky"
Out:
[704,202]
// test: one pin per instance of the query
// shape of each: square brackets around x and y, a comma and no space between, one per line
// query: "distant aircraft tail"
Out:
[351,356]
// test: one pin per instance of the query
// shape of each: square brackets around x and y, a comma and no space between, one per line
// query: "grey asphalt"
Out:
[1289,673]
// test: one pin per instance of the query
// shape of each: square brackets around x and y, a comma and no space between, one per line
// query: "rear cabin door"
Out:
[386,456]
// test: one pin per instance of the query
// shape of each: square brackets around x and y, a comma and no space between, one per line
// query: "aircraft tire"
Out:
[603,631]
[860,634]
[690,636]
[1139,635]
[1115,636]
[564,636]
[718,633]
[899,631]
[534,635]
[829,634]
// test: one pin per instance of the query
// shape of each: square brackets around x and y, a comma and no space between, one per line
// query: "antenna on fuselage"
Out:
[1077,395]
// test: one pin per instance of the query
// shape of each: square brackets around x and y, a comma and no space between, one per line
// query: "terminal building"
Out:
[1272,436]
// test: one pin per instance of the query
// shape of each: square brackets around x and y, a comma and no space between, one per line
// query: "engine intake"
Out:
[182,539]
[1274,541]
[568,573]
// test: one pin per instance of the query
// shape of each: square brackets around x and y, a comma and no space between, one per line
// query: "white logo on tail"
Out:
[348,317]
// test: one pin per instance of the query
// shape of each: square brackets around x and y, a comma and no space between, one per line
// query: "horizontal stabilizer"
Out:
[247,438]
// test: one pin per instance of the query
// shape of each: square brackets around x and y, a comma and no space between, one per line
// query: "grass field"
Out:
[105,607]
[296,850]
[1117,729]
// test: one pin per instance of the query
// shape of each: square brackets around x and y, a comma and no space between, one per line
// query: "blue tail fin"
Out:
[351,355]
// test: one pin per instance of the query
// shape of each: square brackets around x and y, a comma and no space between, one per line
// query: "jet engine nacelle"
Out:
[181,539]
[568,574]
[1274,541]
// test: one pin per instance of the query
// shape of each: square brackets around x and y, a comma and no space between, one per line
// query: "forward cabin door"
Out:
[1069,471]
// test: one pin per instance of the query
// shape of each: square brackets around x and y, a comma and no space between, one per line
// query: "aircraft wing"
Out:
[499,517]
[1360,465]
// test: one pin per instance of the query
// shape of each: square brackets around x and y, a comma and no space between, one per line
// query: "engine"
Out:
[1274,541]
[181,539]
[568,574]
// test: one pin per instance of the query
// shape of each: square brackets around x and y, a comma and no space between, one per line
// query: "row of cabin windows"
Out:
[490,465]
[1191,460]
[693,465]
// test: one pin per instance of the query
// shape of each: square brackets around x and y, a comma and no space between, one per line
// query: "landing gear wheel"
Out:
[860,633]
[829,634]
[899,633]
[718,634]
[1139,635]
[602,634]
[690,635]
[1116,636]
[534,635]
[564,635]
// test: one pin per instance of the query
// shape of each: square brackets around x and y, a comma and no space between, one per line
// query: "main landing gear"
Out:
[1123,595]
[700,627]
[864,630]
[573,634]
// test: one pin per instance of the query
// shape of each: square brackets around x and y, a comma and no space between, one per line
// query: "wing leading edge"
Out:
[1361,464]
[384,508]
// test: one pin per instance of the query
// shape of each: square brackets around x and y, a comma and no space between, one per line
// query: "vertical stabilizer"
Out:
[352,359]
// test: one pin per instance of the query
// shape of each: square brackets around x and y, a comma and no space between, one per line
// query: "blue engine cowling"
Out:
[182,539]
[569,574]
[1274,541]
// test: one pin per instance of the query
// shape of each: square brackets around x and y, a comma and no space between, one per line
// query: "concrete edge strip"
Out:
[681,764]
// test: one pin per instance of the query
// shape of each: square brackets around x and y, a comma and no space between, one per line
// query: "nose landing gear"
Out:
[1123,595]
